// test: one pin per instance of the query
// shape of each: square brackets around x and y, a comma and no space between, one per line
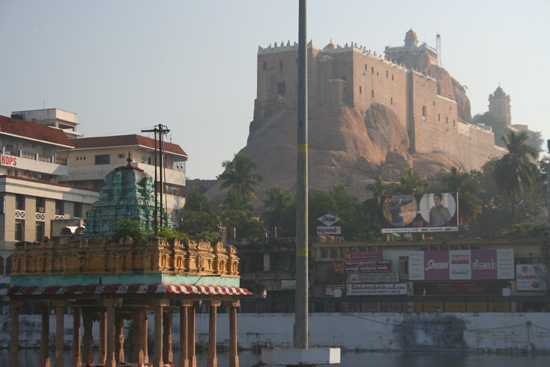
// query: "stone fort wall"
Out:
[356,77]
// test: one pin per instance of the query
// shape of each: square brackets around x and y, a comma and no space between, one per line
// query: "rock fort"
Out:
[368,114]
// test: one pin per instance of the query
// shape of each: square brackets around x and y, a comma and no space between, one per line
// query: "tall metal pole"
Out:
[161,152]
[301,306]
[546,245]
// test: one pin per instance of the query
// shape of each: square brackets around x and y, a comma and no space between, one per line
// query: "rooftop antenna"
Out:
[438,46]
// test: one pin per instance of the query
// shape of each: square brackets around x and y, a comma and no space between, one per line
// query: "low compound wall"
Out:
[425,332]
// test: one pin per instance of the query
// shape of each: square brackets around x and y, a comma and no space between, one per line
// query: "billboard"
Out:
[361,267]
[436,212]
[377,289]
[374,278]
[461,265]
[531,277]
[361,255]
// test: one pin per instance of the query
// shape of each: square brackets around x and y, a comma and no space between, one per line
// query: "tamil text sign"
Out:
[377,289]
[461,265]
[531,277]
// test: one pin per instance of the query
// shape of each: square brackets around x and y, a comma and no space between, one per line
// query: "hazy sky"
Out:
[124,66]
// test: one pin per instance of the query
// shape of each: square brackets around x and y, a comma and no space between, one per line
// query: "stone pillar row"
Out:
[111,343]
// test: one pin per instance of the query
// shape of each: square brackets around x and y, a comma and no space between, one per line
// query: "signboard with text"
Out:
[9,160]
[361,255]
[361,267]
[531,277]
[377,289]
[459,288]
[461,265]
[374,278]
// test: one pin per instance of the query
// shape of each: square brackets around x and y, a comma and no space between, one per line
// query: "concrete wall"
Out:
[459,332]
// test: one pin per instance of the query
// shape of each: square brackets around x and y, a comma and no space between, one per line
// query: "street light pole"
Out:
[301,302]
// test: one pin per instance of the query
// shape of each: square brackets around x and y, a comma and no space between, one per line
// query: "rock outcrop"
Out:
[344,148]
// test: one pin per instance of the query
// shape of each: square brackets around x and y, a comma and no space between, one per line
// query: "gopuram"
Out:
[108,281]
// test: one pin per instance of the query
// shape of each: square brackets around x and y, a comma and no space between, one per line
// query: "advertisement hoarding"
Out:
[461,265]
[435,212]
[374,278]
[361,255]
[531,277]
[361,267]
[377,289]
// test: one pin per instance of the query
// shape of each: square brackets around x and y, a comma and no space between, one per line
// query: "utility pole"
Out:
[160,130]
[301,302]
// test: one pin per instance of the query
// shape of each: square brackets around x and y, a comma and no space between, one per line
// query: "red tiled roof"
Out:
[34,131]
[125,140]
[130,289]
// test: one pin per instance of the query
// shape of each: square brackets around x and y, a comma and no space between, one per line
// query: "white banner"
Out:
[329,230]
[377,289]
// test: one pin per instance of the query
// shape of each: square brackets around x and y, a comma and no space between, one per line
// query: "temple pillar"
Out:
[212,360]
[233,345]
[111,304]
[119,338]
[145,328]
[158,362]
[167,353]
[76,360]
[102,354]
[87,339]
[191,337]
[14,344]
[44,360]
[59,330]
[184,333]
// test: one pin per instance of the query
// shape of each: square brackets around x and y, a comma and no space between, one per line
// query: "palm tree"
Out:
[515,171]
[240,180]
[280,211]
[411,183]
[463,184]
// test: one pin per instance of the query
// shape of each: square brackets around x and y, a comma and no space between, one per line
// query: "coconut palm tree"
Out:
[516,171]
[410,182]
[463,184]
[240,179]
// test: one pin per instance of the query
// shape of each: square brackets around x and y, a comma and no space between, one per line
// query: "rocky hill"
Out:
[344,148]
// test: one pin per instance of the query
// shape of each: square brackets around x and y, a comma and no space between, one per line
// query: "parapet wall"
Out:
[156,256]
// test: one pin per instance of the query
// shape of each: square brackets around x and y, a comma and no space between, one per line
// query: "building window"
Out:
[366,67]
[78,210]
[265,65]
[391,101]
[1,265]
[59,207]
[360,89]
[20,202]
[404,265]
[19,229]
[344,77]
[387,74]
[438,117]
[372,93]
[121,155]
[40,205]
[392,78]
[281,88]
[102,159]
[281,66]
[40,230]
[446,120]
[424,113]
[372,70]
[9,265]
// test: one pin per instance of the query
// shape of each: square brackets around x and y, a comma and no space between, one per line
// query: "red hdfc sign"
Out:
[8,160]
